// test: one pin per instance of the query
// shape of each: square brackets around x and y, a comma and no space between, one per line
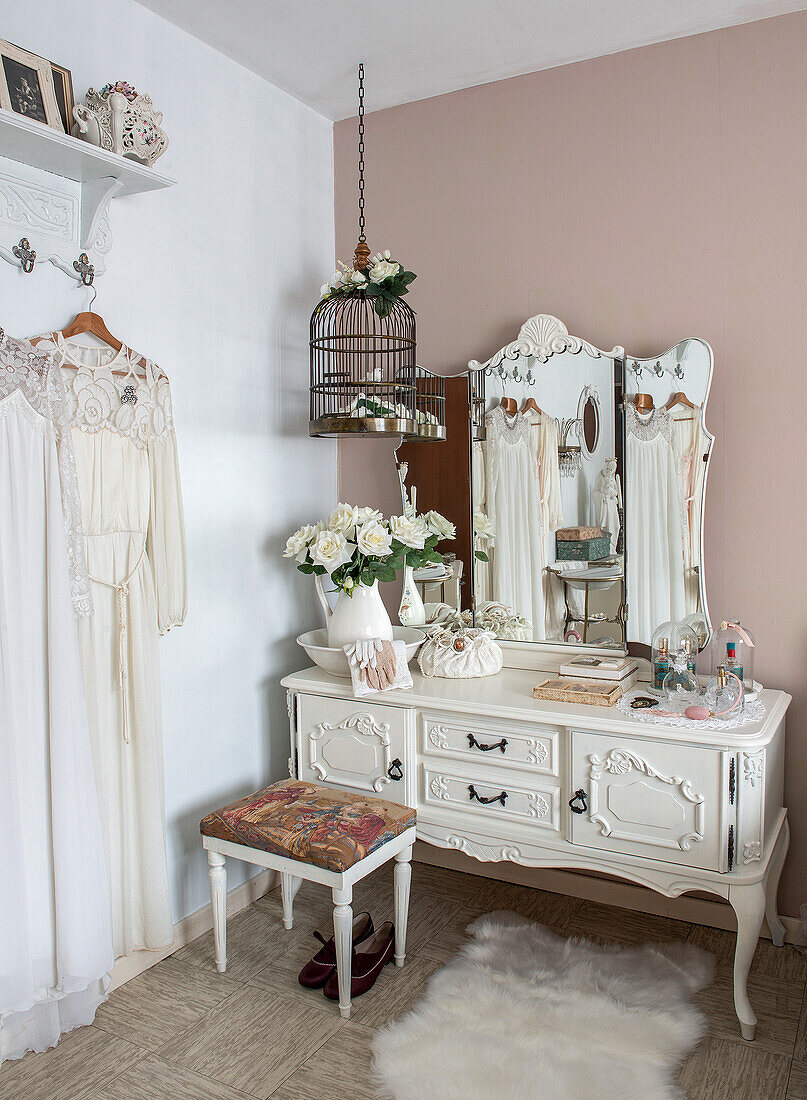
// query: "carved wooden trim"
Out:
[366,726]
[620,762]
[489,853]
[437,736]
[752,763]
[540,338]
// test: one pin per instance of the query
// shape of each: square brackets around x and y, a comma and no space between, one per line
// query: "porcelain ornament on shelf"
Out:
[121,121]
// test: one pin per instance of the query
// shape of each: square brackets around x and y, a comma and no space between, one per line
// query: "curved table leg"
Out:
[775,926]
[748,903]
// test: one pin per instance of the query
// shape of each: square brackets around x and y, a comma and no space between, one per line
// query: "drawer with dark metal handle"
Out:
[579,796]
[474,744]
[502,797]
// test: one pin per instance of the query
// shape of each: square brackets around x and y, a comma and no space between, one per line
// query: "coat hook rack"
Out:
[25,254]
[85,269]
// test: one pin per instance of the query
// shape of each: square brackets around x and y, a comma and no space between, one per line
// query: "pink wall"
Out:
[641,198]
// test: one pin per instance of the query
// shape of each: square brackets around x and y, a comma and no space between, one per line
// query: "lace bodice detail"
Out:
[122,396]
[34,371]
[646,428]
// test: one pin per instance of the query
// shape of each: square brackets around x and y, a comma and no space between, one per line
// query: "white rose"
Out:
[383,269]
[297,544]
[337,278]
[483,528]
[358,277]
[343,518]
[374,539]
[386,253]
[325,290]
[364,515]
[408,530]
[331,549]
[439,525]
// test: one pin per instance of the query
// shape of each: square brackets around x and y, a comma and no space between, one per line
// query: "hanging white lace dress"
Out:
[134,536]
[55,945]
[654,524]
[511,484]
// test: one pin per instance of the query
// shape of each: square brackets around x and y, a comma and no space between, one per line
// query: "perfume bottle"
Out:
[661,663]
[688,652]
[681,686]
[731,660]
[724,694]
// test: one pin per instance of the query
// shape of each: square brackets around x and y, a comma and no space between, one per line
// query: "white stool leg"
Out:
[289,885]
[403,877]
[217,873]
[343,935]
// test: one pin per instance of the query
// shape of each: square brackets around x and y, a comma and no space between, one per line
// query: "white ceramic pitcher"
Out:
[358,616]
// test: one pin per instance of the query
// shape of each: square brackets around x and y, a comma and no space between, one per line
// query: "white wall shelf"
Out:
[55,190]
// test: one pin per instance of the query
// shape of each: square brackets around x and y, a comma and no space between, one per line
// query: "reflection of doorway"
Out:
[24,91]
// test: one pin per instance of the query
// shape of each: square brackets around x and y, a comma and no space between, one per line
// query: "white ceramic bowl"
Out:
[334,661]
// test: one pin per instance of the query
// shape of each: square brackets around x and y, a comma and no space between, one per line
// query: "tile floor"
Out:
[183,1032]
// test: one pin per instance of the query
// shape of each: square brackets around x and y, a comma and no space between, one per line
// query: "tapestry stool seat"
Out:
[309,832]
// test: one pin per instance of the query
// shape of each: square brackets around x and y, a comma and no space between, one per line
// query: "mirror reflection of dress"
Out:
[545,445]
[693,445]
[511,489]
[655,529]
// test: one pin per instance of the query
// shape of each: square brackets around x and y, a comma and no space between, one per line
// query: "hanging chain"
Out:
[362,236]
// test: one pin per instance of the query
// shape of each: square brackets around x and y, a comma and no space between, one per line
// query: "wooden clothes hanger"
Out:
[680,398]
[510,405]
[530,406]
[92,324]
[643,402]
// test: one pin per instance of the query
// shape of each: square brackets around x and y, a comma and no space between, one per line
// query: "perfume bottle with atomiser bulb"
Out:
[733,647]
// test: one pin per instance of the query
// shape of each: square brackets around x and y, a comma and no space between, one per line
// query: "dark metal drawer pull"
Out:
[486,801]
[472,741]
[395,771]
[581,797]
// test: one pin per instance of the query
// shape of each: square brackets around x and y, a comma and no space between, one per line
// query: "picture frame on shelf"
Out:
[27,87]
[63,87]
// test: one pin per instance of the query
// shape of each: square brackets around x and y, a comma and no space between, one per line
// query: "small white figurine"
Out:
[607,499]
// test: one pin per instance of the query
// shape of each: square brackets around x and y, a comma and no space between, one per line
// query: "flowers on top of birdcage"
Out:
[358,546]
[385,281]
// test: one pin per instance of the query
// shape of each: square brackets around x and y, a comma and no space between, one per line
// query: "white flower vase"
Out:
[411,612]
[359,615]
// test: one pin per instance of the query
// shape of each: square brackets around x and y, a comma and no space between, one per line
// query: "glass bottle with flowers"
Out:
[356,548]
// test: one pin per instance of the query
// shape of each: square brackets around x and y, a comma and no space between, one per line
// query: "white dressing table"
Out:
[500,775]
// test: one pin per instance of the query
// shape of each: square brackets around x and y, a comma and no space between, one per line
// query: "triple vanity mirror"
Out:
[580,475]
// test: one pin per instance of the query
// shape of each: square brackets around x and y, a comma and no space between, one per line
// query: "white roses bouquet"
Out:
[358,546]
[385,282]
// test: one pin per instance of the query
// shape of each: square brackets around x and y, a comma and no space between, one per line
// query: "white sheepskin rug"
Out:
[523,1014]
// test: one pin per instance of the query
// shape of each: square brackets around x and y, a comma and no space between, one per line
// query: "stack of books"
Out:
[622,671]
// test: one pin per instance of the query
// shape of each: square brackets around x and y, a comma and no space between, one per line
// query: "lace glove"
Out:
[373,662]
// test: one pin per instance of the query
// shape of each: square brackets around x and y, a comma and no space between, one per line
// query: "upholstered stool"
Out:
[307,831]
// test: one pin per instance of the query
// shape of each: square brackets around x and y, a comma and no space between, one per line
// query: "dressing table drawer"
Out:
[496,743]
[478,797]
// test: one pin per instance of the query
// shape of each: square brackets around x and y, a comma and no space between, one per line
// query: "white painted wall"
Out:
[214,279]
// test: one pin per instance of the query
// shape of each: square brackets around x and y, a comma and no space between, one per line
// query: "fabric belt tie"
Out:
[121,590]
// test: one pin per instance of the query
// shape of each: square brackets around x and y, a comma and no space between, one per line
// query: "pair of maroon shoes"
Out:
[378,948]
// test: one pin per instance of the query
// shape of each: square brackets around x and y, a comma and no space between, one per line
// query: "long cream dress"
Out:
[55,945]
[134,537]
[693,447]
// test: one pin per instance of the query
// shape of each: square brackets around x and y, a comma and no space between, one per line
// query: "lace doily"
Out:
[754,711]
[35,373]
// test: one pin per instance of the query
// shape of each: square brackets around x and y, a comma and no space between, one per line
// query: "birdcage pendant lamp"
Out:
[364,379]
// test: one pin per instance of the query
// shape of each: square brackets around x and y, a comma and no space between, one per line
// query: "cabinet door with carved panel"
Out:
[361,746]
[649,798]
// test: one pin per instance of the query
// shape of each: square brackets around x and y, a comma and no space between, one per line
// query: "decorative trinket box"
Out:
[590,549]
[576,534]
[595,694]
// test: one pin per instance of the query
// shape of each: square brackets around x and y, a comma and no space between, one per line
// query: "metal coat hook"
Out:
[85,269]
[25,254]
[658,370]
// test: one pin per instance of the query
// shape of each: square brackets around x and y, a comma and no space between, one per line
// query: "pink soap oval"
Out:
[696,714]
